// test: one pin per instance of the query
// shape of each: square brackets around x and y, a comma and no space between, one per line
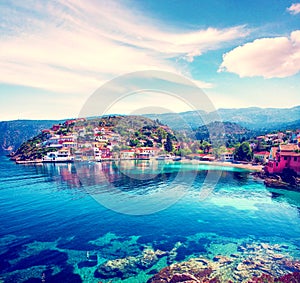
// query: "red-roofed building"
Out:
[102,153]
[261,156]
[127,154]
[285,157]
[55,127]
[151,151]
[228,155]
[70,122]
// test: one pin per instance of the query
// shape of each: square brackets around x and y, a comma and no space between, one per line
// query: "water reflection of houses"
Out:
[141,165]
[61,173]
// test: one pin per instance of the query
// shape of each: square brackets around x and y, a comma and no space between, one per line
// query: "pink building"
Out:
[105,152]
[285,157]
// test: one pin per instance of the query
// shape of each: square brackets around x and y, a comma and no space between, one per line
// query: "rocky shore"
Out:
[129,266]
[251,263]
[278,181]
[257,263]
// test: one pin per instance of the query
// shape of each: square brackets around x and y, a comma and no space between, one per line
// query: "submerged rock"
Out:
[129,266]
[257,264]
[122,268]
[192,270]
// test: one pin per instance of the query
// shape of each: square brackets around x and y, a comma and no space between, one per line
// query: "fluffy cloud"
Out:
[74,46]
[277,57]
[294,9]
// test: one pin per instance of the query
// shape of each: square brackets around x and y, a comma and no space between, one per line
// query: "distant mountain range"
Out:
[13,133]
[252,118]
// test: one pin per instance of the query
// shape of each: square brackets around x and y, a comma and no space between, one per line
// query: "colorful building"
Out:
[285,157]
[261,156]
[127,154]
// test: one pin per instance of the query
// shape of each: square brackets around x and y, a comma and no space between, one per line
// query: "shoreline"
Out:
[247,166]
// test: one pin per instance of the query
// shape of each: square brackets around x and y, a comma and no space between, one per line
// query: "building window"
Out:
[276,164]
[285,158]
[295,158]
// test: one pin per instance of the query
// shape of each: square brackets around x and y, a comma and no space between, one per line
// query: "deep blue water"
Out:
[51,215]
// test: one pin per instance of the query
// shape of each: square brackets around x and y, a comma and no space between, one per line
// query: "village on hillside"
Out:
[112,139]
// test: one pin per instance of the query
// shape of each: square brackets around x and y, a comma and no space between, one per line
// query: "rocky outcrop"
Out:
[129,266]
[254,263]
[278,181]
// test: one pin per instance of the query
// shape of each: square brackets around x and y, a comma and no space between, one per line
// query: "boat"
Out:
[58,156]
[164,157]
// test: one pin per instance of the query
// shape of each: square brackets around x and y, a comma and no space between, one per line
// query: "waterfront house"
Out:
[62,155]
[285,157]
[127,154]
[105,152]
[150,151]
[145,156]
[228,155]
[261,156]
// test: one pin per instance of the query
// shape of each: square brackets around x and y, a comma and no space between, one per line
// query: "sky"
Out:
[55,54]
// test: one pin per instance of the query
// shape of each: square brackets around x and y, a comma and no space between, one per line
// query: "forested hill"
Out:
[14,133]
[219,130]
[253,118]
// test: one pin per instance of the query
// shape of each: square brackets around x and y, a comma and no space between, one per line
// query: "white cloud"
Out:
[277,57]
[294,9]
[74,46]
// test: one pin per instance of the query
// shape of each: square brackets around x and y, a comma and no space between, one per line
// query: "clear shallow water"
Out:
[50,217]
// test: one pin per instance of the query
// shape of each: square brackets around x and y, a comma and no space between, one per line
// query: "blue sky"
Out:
[55,54]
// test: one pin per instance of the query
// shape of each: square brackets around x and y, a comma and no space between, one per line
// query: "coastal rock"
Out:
[122,268]
[129,266]
[185,277]
[193,270]
[257,263]
[149,258]
[265,246]
[222,259]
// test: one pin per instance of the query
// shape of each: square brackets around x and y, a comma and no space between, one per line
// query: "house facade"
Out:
[127,154]
[286,157]
[261,156]
[227,156]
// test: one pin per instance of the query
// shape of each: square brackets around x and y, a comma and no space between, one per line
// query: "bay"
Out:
[58,223]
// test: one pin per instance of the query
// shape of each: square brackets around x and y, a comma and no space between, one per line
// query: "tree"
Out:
[205,146]
[243,152]
[168,144]
[219,150]
[183,152]
[195,146]
[161,133]
[149,143]
[134,142]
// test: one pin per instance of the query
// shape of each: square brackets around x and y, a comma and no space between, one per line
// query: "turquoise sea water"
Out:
[52,215]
